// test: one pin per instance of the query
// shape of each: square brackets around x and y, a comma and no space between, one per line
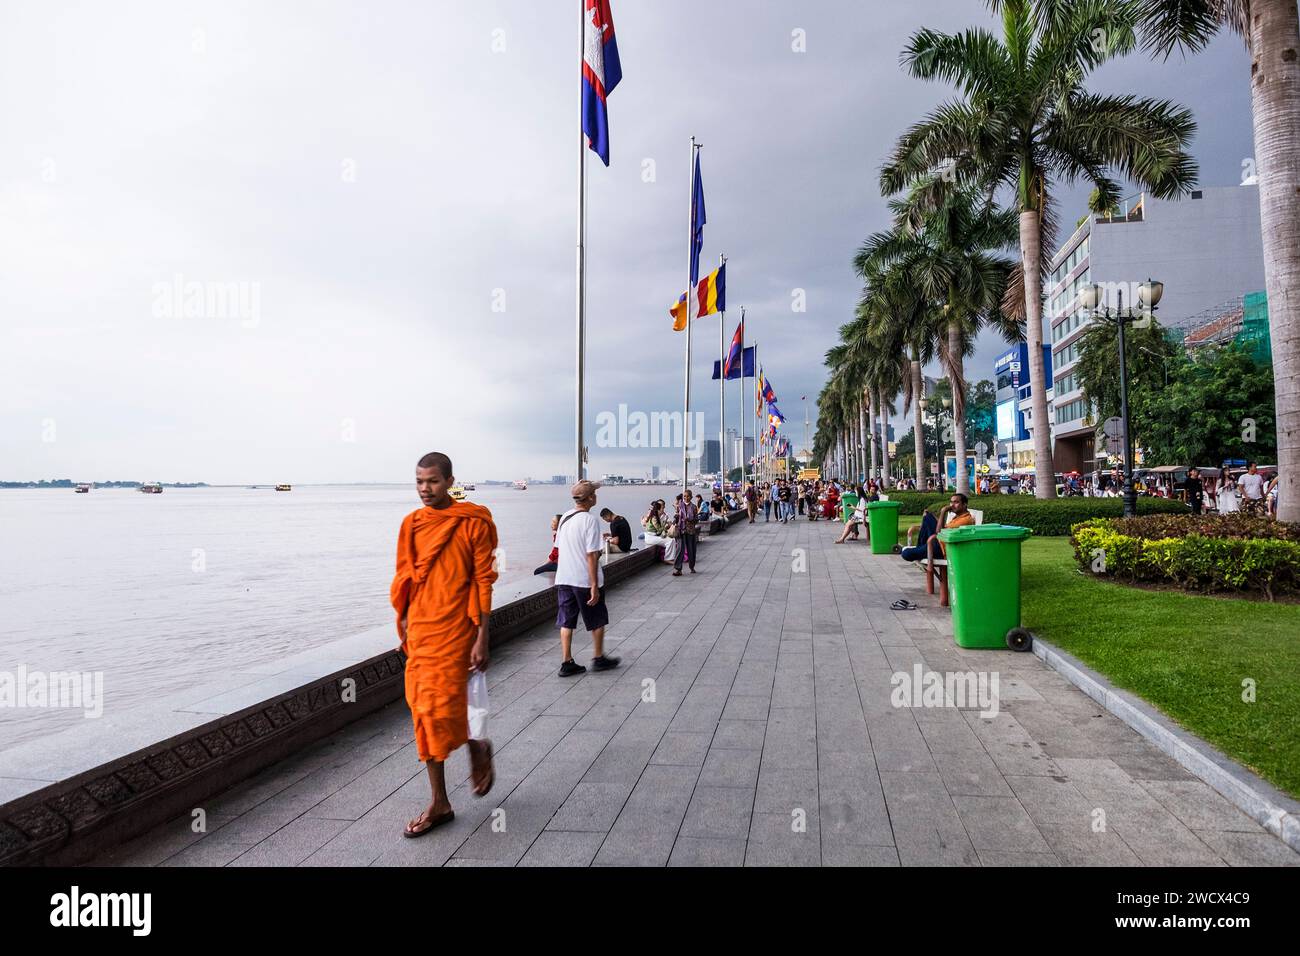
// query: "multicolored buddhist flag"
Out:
[710,297]
[601,72]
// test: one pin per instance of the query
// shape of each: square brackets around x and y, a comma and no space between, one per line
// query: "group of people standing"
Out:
[785,500]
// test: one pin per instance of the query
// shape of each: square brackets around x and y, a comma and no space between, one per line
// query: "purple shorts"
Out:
[571,601]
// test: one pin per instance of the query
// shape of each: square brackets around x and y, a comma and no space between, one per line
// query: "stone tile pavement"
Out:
[750,724]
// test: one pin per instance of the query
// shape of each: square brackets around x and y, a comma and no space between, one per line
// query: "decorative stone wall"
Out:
[70,821]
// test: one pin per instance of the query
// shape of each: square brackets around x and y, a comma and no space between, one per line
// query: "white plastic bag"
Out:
[478,705]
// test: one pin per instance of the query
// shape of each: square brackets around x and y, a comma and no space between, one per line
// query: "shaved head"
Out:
[436,459]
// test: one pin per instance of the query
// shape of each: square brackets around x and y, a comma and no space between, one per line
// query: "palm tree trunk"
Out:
[918,429]
[862,431]
[871,426]
[1030,249]
[884,436]
[958,382]
[1275,104]
[857,440]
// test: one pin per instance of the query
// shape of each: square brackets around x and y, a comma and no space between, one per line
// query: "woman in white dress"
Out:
[656,531]
[1228,502]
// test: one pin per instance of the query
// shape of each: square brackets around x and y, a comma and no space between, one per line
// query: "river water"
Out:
[165,592]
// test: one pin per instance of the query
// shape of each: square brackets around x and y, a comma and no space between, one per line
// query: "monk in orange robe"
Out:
[443,597]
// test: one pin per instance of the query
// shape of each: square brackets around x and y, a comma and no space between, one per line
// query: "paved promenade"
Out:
[750,723]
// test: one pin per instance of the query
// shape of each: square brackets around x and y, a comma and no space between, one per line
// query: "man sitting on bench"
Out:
[955,515]
[924,532]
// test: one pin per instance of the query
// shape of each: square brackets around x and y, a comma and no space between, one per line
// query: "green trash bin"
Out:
[984,585]
[882,520]
[848,504]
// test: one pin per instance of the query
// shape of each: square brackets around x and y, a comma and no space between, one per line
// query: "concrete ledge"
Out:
[120,789]
[1254,796]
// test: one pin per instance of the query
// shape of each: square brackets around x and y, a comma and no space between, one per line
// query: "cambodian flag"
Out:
[600,74]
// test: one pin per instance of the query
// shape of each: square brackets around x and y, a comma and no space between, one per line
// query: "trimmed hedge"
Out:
[1055,516]
[1209,553]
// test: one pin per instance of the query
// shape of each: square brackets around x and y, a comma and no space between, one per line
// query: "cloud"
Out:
[401,196]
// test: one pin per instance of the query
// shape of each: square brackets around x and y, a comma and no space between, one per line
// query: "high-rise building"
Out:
[712,456]
[1013,406]
[1206,249]
[654,473]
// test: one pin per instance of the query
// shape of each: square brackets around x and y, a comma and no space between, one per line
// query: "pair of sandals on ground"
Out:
[483,775]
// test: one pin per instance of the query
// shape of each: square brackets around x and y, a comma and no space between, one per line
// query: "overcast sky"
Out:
[390,189]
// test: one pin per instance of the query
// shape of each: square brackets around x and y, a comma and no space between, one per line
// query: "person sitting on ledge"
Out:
[717,513]
[619,534]
[656,530]
[552,558]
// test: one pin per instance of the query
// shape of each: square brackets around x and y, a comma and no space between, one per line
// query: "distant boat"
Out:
[521,486]
[457,493]
[83,488]
[151,488]
[468,487]
[284,487]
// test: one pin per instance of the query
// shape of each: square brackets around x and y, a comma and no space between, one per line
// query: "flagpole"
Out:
[744,459]
[758,464]
[722,390]
[690,294]
[581,344]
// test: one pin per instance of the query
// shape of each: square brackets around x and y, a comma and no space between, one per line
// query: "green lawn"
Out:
[1186,654]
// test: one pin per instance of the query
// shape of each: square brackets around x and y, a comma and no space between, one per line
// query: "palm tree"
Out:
[939,253]
[1024,122]
[849,357]
[899,320]
[1271,29]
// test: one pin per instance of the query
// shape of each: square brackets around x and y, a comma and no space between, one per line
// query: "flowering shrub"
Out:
[1229,553]
[1051,517]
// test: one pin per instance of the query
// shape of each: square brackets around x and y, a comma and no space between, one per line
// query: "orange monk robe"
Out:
[444,587]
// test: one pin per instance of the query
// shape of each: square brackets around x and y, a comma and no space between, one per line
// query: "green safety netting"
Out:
[1254,335]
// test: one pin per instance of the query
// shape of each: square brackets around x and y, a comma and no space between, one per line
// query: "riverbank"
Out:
[153,596]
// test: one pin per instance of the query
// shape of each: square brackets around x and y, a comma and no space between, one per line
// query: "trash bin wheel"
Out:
[1019,639]
[898,549]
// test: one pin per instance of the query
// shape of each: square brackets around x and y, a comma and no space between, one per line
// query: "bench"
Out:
[939,566]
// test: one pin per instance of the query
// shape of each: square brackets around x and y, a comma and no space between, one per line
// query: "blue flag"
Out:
[697,222]
[747,365]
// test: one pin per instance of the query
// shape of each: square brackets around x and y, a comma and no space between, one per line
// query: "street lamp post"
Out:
[922,403]
[1149,295]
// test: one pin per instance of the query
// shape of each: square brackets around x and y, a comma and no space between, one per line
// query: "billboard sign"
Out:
[1006,420]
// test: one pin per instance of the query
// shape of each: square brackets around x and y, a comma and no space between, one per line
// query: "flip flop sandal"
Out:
[903,604]
[433,824]
[491,774]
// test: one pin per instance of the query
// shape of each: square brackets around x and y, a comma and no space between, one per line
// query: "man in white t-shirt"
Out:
[1251,486]
[580,580]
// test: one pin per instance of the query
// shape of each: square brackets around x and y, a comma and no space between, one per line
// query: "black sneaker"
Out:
[570,668]
[604,663]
